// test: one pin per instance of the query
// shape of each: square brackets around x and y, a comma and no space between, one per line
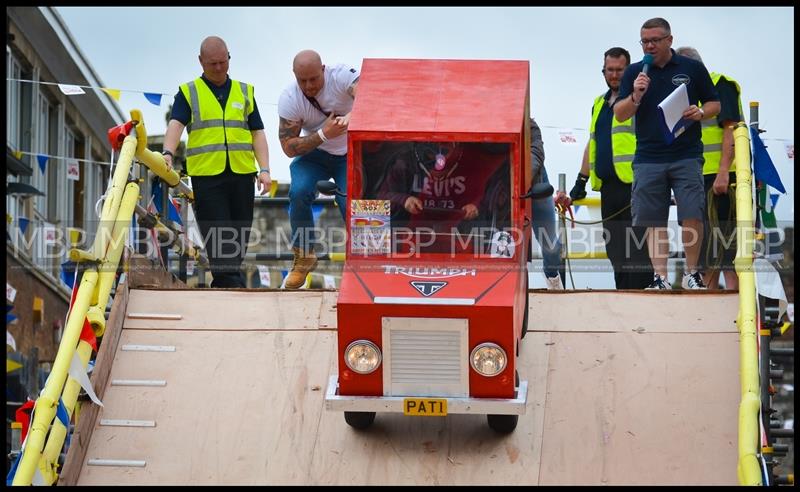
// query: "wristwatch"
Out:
[168,152]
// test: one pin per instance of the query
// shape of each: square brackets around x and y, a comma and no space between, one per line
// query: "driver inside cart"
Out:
[447,186]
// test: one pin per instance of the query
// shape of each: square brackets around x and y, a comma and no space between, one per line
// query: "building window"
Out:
[13,101]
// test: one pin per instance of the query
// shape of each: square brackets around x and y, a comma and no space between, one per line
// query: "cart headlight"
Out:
[362,356]
[488,359]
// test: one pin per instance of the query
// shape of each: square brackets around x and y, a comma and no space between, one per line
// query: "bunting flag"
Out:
[71,90]
[10,318]
[774,198]
[78,373]
[12,365]
[153,98]
[115,93]
[763,167]
[42,162]
[18,154]
[263,275]
[173,214]
[192,229]
[68,273]
[23,223]
[567,137]
[10,341]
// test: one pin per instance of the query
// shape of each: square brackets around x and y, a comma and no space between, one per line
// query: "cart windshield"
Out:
[433,197]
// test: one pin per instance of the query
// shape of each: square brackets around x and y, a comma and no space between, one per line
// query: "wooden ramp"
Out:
[624,388]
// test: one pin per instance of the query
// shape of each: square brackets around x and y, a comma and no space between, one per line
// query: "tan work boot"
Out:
[301,266]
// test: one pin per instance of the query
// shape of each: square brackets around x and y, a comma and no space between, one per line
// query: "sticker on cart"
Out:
[502,245]
[370,227]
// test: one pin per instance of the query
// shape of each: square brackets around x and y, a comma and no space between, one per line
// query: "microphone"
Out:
[647,60]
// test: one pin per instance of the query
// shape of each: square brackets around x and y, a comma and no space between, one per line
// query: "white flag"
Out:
[73,171]
[78,373]
[10,341]
[567,137]
[11,293]
[263,275]
[70,90]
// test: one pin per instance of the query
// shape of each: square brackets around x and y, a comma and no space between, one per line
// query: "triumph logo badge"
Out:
[428,289]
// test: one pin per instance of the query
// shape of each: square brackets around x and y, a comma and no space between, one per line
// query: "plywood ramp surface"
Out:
[625,311]
[246,406]
[222,309]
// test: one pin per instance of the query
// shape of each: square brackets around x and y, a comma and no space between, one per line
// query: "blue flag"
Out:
[173,215]
[10,318]
[23,223]
[68,273]
[42,162]
[154,98]
[763,167]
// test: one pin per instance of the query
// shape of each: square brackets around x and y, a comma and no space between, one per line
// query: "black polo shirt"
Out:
[729,102]
[650,143]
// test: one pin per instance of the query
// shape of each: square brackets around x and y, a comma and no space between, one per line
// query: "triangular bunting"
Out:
[42,162]
[153,97]
[78,373]
[71,90]
[23,223]
[115,93]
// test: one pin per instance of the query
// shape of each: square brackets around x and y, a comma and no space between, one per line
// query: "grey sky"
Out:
[155,49]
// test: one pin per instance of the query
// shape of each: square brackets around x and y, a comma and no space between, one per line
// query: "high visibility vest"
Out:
[214,132]
[712,133]
[623,146]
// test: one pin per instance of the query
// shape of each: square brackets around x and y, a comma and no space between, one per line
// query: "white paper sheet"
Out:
[671,109]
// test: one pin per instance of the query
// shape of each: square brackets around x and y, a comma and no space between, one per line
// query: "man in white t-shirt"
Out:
[319,104]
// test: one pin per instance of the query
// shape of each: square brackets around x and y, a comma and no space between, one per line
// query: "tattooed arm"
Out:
[292,143]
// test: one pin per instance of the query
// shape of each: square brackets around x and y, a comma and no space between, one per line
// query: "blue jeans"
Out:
[546,234]
[305,171]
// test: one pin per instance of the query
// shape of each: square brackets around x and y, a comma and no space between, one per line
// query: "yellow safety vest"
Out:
[623,146]
[214,132]
[712,133]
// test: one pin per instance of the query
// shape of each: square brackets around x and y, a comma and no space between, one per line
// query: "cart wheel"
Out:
[504,424]
[359,420]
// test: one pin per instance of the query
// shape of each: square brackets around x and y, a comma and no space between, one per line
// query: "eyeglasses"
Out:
[645,42]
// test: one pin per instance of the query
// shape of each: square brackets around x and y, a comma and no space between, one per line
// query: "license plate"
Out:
[425,407]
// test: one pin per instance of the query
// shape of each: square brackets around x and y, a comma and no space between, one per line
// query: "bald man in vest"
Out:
[719,173]
[314,112]
[226,153]
[607,161]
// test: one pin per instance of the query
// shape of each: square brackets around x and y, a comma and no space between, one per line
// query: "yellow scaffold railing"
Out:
[38,462]
[748,468]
